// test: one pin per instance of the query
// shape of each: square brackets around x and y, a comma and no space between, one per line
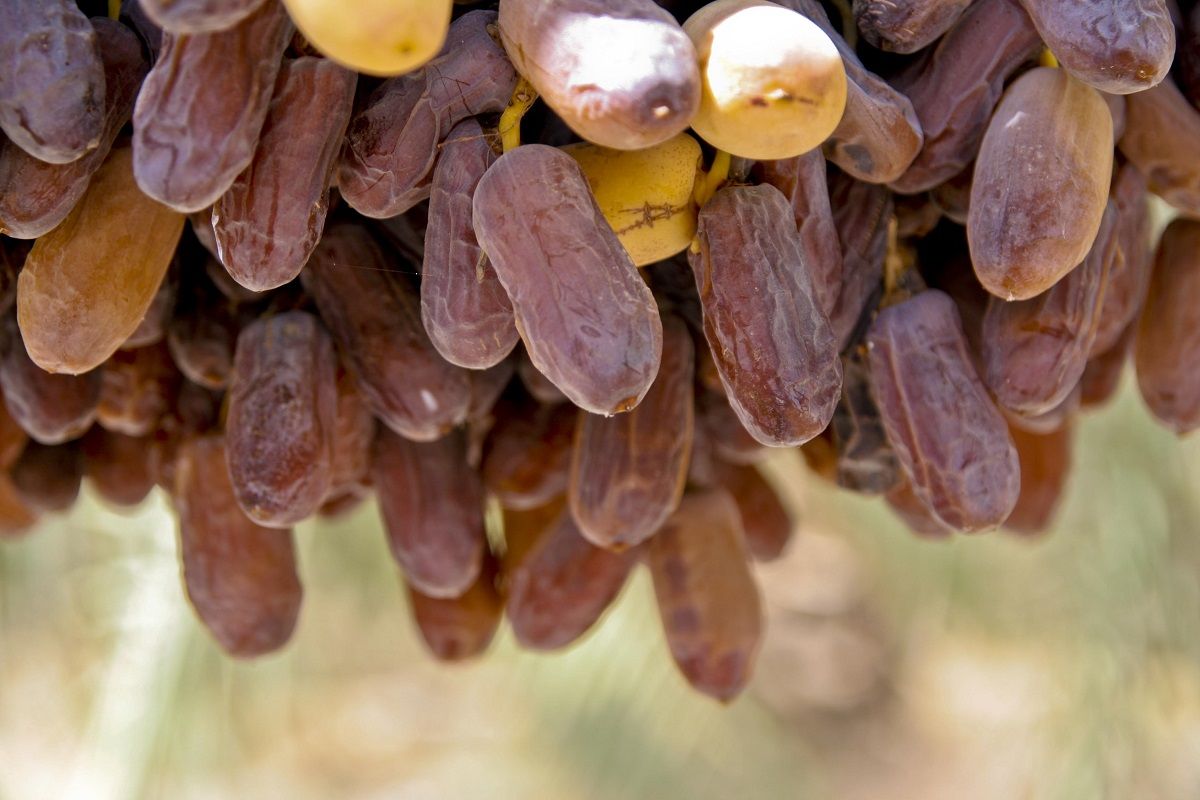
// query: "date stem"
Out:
[708,184]
[523,97]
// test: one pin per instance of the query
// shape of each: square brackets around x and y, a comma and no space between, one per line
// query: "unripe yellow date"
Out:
[773,83]
[646,195]
[377,37]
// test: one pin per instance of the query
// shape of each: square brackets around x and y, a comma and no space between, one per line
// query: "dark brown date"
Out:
[766,524]
[203,333]
[51,408]
[1102,375]
[353,432]
[861,212]
[771,341]
[458,628]
[17,517]
[628,471]
[138,387]
[270,219]
[463,304]
[282,413]
[947,435]
[240,577]
[373,312]
[431,502]
[1130,274]
[866,462]
[1162,139]
[526,460]
[707,598]
[120,468]
[906,27]
[1045,467]
[48,478]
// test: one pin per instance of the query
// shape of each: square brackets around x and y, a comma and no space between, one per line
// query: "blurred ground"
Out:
[987,667]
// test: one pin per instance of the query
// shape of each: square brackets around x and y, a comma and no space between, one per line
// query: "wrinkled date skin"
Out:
[1034,351]
[948,436]
[1040,185]
[879,134]
[955,87]
[48,478]
[628,471]
[1130,274]
[561,586]
[271,218]
[802,181]
[620,73]
[52,85]
[1162,139]
[765,521]
[88,283]
[707,597]
[463,304]
[35,196]
[203,333]
[374,315]
[861,212]
[354,430]
[138,388]
[431,502]
[392,143]
[866,462]
[772,344]
[458,628]
[51,408]
[240,577]
[119,467]
[199,113]
[588,320]
[198,16]
[1045,467]
[906,27]
[527,458]
[1117,46]
[282,409]
[1168,337]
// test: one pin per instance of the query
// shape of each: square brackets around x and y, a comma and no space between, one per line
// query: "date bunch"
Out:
[550,279]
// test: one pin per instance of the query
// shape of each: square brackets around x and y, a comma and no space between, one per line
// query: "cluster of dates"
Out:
[240,264]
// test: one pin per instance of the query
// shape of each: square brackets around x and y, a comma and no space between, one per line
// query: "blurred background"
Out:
[981,667]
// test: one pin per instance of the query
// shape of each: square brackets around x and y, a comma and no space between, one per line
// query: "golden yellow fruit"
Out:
[378,37]
[646,195]
[774,85]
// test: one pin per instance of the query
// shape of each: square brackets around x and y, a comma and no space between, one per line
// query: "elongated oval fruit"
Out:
[646,195]
[1041,184]
[51,408]
[1045,468]
[773,83]
[458,628]
[139,387]
[628,471]
[52,86]
[118,467]
[1168,337]
[948,436]
[709,603]
[1035,350]
[281,418]
[48,478]
[861,214]
[378,37]
[765,521]
[620,73]
[432,507]
[393,141]
[1162,139]
[198,16]
[199,113]
[270,219]
[464,307]
[1117,46]
[906,27]
[240,577]
[772,343]
[35,196]
[561,586]
[88,283]
[1130,274]
[527,457]
[588,320]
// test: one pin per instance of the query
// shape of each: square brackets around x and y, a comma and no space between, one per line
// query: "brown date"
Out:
[153,327]
[16,515]
[200,110]
[48,477]
[202,334]
[458,628]
[538,385]
[766,524]
[861,212]
[1103,372]
[588,320]
[463,304]
[353,432]
[906,27]
[13,438]
[628,471]
[1045,467]
[709,603]
[51,408]
[527,457]
[727,437]
[1162,139]
[913,512]
[947,435]
[866,462]
[270,219]
[240,577]
[561,586]
[282,411]
[772,343]
[373,313]
[431,502]
[198,16]
[138,388]
[52,85]
[35,196]
[119,467]
[1130,274]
